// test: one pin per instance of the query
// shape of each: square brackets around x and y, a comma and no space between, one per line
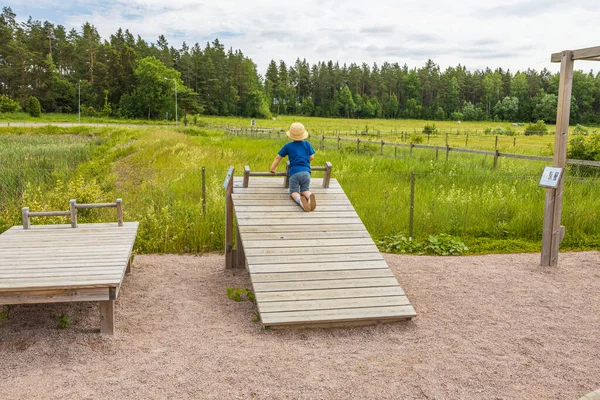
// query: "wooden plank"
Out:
[346,293]
[287,201]
[394,312]
[316,190]
[55,272]
[313,258]
[282,196]
[299,213]
[4,264]
[384,272]
[303,235]
[317,266]
[297,221]
[282,251]
[356,227]
[66,266]
[328,284]
[273,244]
[291,206]
[579,54]
[333,304]
[53,296]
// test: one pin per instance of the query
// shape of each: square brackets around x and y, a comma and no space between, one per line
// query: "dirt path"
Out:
[493,327]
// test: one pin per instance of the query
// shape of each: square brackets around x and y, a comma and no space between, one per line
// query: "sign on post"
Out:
[551,177]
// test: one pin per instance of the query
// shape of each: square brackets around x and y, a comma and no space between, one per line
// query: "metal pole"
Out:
[203,191]
[412,204]
[79,103]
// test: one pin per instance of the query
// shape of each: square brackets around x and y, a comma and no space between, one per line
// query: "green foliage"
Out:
[236,294]
[258,106]
[417,139]
[507,109]
[583,147]
[581,130]
[34,107]
[441,245]
[8,105]
[63,321]
[539,128]
[429,129]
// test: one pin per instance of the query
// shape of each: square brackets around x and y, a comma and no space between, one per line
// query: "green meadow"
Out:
[158,173]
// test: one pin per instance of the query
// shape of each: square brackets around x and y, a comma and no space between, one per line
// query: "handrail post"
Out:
[73,211]
[246,175]
[25,214]
[228,185]
[327,176]
[119,212]
[286,180]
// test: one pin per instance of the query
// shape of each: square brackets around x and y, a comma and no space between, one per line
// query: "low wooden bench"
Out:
[63,263]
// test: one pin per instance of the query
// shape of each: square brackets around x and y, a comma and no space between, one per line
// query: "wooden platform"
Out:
[317,268]
[58,263]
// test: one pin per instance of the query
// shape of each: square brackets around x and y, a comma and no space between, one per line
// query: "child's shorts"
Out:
[300,182]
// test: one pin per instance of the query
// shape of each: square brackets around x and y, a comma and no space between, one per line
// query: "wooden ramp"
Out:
[62,263]
[317,268]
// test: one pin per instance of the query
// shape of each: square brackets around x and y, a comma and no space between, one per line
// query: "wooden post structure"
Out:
[26,220]
[327,176]
[228,186]
[107,317]
[246,175]
[286,180]
[73,211]
[119,212]
[553,231]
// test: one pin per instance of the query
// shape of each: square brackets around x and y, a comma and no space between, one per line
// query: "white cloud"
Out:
[509,34]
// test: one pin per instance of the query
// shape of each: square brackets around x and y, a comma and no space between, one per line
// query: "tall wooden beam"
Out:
[553,231]
[590,53]
[228,186]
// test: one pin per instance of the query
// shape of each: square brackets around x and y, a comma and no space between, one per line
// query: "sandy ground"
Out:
[488,327]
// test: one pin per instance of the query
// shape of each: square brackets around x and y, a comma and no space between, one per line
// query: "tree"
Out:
[346,102]
[546,108]
[307,106]
[33,107]
[507,109]
[258,107]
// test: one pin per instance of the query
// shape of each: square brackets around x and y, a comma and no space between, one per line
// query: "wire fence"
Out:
[403,147]
[182,210]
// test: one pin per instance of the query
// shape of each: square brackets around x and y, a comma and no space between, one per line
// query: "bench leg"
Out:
[107,317]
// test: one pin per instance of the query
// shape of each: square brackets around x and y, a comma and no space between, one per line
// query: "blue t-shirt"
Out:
[299,153]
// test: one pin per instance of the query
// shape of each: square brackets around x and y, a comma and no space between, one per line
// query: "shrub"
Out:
[8,105]
[584,147]
[440,245]
[417,139]
[581,130]
[429,129]
[34,108]
[539,128]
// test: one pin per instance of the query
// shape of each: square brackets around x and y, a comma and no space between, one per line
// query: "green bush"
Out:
[584,147]
[580,130]
[34,107]
[429,129]
[417,139]
[539,128]
[440,245]
[8,105]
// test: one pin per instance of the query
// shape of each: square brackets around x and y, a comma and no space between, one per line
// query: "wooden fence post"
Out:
[447,152]
[467,140]
[496,145]
[395,151]
[496,154]
[338,138]
[381,149]
[73,211]
[357,145]
[411,147]
[228,185]
[322,141]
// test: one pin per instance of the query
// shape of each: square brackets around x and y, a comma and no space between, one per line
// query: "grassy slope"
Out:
[158,174]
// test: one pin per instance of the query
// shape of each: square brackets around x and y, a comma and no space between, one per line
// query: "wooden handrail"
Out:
[286,182]
[73,206]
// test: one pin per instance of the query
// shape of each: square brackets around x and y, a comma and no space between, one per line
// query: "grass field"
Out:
[158,174]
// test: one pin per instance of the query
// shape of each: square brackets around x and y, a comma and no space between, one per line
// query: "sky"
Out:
[511,34]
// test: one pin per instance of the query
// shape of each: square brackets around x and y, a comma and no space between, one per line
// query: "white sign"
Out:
[551,177]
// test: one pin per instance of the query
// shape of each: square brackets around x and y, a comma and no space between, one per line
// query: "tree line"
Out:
[125,76]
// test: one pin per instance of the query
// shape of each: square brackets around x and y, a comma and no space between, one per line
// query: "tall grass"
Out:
[158,173]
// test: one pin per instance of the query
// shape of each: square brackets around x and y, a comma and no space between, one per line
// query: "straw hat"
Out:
[297,132]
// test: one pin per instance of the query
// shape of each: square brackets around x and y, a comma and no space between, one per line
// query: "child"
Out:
[301,154]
